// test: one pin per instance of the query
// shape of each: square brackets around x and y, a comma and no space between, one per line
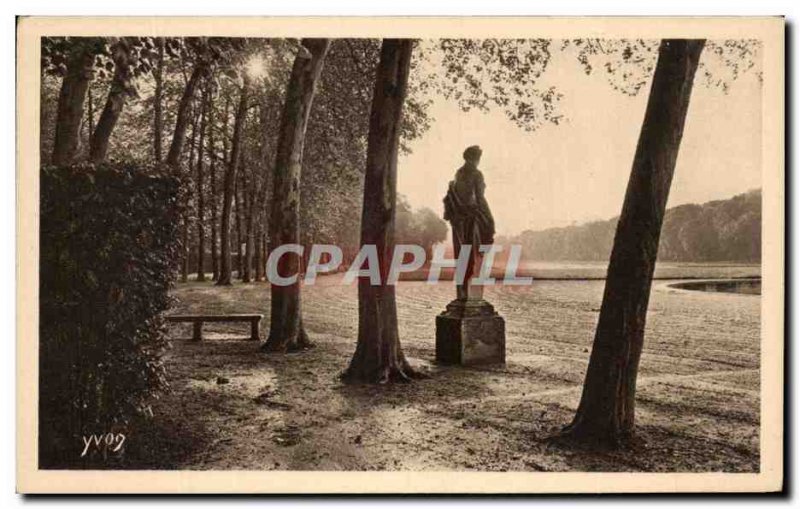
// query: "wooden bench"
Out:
[198,320]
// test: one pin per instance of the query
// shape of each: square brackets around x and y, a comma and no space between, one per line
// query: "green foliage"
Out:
[717,231]
[108,250]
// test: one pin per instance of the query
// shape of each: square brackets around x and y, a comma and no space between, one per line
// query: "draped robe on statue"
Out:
[471,220]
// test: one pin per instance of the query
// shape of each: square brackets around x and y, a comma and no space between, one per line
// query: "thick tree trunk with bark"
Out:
[228,188]
[606,411]
[379,357]
[182,117]
[70,104]
[201,212]
[286,323]
[158,116]
[117,95]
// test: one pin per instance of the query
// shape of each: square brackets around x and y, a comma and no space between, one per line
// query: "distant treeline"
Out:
[721,230]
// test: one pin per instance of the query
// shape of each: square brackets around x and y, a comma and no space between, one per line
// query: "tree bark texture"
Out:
[237,194]
[70,104]
[606,411]
[158,116]
[286,323]
[379,357]
[228,188]
[201,203]
[182,117]
[212,161]
[117,95]
[186,206]
[247,193]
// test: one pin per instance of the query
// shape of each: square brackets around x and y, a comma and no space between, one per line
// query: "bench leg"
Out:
[197,331]
[254,335]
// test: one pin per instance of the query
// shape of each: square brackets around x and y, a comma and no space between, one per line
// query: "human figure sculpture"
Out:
[469,331]
[467,210]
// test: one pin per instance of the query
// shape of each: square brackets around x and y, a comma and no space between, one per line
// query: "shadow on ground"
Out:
[233,407]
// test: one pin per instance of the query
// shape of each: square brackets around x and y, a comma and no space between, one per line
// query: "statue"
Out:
[469,331]
[471,220]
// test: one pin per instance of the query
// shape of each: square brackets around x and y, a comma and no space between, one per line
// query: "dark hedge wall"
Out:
[108,251]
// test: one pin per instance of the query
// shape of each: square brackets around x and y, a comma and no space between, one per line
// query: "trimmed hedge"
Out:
[109,247]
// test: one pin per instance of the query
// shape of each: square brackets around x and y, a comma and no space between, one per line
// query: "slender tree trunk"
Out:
[182,117]
[229,188]
[201,213]
[265,248]
[249,234]
[89,112]
[379,356]
[225,163]
[117,95]
[237,193]
[259,248]
[212,158]
[185,246]
[606,411]
[286,323]
[158,116]
[260,202]
[70,104]
[186,211]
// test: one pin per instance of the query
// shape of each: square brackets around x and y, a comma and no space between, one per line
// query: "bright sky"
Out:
[578,171]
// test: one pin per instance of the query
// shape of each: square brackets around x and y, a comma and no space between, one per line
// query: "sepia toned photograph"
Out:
[397,255]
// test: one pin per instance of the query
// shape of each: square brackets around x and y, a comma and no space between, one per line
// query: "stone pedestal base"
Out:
[470,332]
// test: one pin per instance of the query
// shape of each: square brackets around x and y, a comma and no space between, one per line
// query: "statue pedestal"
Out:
[470,332]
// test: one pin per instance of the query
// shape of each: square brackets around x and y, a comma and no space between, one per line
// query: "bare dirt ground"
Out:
[233,407]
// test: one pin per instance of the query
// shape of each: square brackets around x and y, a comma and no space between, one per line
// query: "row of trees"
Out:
[720,230]
[218,102]
[324,135]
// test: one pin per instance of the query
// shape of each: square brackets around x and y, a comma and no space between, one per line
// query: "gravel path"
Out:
[697,400]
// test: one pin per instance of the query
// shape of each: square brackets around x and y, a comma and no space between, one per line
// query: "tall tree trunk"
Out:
[158,116]
[286,323]
[250,234]
[212,158]
[225,162]
[186,211]
[265,250]
[70,103]
[237,193]
[229,187]
[182,117]
[379,356]
[258,248]
[247,193]
[260,202]
[606,411]
[201,216]
[89,112]
[117,94]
